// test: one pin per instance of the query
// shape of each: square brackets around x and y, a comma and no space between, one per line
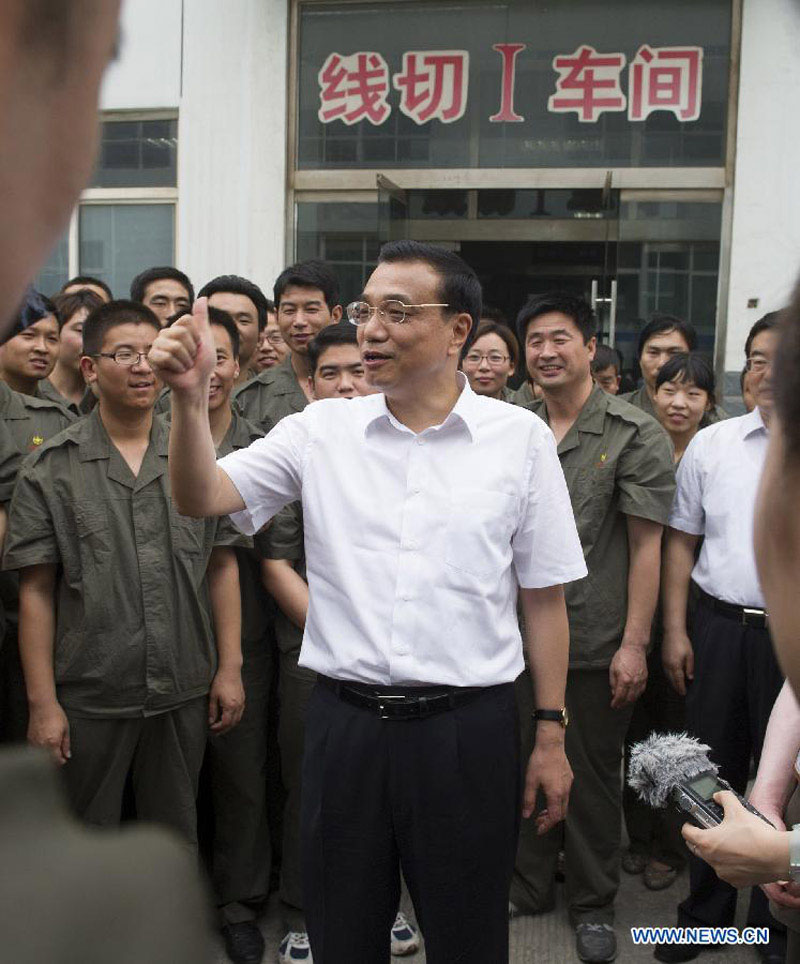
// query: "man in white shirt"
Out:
[725,664]
[425,506]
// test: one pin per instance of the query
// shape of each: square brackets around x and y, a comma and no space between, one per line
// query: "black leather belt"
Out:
[402,703]
[744,615]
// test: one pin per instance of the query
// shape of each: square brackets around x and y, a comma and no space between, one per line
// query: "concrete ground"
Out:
[549,939]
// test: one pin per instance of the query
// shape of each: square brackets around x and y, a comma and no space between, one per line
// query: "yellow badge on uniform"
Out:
[36,441]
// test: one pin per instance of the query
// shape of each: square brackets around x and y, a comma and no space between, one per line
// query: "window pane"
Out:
[137,154]
[117,241]
[55,270]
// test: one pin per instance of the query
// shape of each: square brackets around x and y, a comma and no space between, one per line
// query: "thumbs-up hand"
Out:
[183,356]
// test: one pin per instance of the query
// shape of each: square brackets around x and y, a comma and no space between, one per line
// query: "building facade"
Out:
[638,152]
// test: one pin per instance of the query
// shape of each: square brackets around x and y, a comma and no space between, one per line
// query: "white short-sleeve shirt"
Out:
[415,543]
[717,484]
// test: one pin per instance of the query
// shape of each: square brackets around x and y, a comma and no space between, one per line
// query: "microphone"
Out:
[675,768]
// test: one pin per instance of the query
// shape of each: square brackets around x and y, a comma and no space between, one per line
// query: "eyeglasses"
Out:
[124,356]
[495,358]
[757,364]
[359,312]
[275,338]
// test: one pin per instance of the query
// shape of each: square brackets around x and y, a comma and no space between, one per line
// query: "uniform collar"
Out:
[239,435]
[464,411]
[94,444]
[590,421]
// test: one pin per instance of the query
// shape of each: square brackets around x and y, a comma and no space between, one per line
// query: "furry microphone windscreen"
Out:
[664,760]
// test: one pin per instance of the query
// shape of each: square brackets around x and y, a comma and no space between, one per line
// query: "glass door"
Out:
[392,210]
[667,261]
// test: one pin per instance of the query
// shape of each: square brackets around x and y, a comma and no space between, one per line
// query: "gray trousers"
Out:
[162,753]
[241,853]
[591,833]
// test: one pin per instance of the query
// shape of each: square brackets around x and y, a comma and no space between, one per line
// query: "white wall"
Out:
[765,253]
[232,139]
[147,73]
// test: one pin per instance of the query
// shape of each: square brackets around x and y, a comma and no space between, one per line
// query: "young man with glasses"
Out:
[306,300]
[412,742]
[129,612]
[724,663]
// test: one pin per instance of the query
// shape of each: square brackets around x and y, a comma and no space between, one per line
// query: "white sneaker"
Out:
[405,937]
[295,947]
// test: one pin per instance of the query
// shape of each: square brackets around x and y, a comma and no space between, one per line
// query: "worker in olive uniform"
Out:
[661,338]
[619,470]
[306,301]
[129,612]
[236,762]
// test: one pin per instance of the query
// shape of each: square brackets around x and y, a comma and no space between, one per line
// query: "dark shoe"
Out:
[244,943]
[633,863]
[659,877]
[595,942]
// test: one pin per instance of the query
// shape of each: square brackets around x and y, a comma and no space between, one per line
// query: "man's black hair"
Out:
[767,323]
[308,274]
[217,316]
[689,367]
[576,308]
[342,333]
[660,324]
[33,308]
[459,287]
[234,284]
[111,315]
[68,305]
[604,357]
[87,279]
[148,276]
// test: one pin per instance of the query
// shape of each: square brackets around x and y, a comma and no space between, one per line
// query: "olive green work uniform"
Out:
[284,540]
[617,461]
[523,395]
[270,396]
[236,762]
[134,652]
[641,399]
[47,390]
[26,422]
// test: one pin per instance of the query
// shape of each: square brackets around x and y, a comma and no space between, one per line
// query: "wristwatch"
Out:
[556,716]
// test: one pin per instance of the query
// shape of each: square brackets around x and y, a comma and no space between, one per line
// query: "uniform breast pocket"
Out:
[188,534]
[92,527]
[479,529]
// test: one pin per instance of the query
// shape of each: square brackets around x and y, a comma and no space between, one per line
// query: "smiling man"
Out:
[129,613]
[425,506]
[29,351]
[618,466]
[306,301]
[247,304]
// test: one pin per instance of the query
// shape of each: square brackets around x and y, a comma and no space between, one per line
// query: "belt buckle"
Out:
[385,702]
[752,612]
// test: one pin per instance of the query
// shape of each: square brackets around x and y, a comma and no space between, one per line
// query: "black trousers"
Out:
[439,798]
[736,682]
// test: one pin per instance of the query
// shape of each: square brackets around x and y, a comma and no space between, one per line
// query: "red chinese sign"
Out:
[354,88]
[434,85]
